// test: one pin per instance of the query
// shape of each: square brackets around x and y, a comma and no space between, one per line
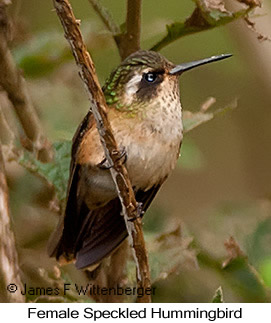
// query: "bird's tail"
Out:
[109,274]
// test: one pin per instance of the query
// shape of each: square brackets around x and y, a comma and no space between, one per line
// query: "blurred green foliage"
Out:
[40,55]
[218,297]
[56,173]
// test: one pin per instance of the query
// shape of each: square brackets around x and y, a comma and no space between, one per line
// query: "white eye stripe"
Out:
[132,85]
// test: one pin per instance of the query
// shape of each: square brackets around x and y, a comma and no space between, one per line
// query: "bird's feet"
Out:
[139,212]
[104,164]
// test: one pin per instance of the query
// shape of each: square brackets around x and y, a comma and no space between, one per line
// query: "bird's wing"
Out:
[105,229]
[84,234]
[64,237]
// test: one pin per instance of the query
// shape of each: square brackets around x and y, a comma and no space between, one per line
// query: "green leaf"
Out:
[55,173]
[218,297]
[265,271]
[259,250]
[212,11]
[242,275]
[45,51]
[257,246]
[56,278]
[218,16]
[169,252]
[42,54]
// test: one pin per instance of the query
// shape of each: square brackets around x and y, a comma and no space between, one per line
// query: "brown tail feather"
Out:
[101,232]
[105,233]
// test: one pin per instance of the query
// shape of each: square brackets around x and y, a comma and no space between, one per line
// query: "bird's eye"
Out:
[150,77]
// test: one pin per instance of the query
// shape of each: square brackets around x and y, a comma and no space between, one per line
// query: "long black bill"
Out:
[179,69]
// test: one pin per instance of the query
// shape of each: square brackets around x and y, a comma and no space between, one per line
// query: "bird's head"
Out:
[145,77]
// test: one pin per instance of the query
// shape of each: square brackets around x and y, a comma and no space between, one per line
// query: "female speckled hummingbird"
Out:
[145,114]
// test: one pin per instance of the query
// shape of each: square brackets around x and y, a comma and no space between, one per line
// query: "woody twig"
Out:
[118,171]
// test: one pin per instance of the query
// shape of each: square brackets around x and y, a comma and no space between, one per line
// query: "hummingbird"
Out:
[145,114]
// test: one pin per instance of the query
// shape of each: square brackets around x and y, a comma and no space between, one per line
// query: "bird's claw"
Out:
[139,212]
[104,164]
[123,154]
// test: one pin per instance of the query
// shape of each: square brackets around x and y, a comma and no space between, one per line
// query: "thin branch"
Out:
[133,26]
[14,84]
[251,26]
[4,124]
[118,171]
[191,120]
[206,16]
[129,41]
[105,16]
[9,268]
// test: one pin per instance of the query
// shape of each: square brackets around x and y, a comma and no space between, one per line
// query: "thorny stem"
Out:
[118,171]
